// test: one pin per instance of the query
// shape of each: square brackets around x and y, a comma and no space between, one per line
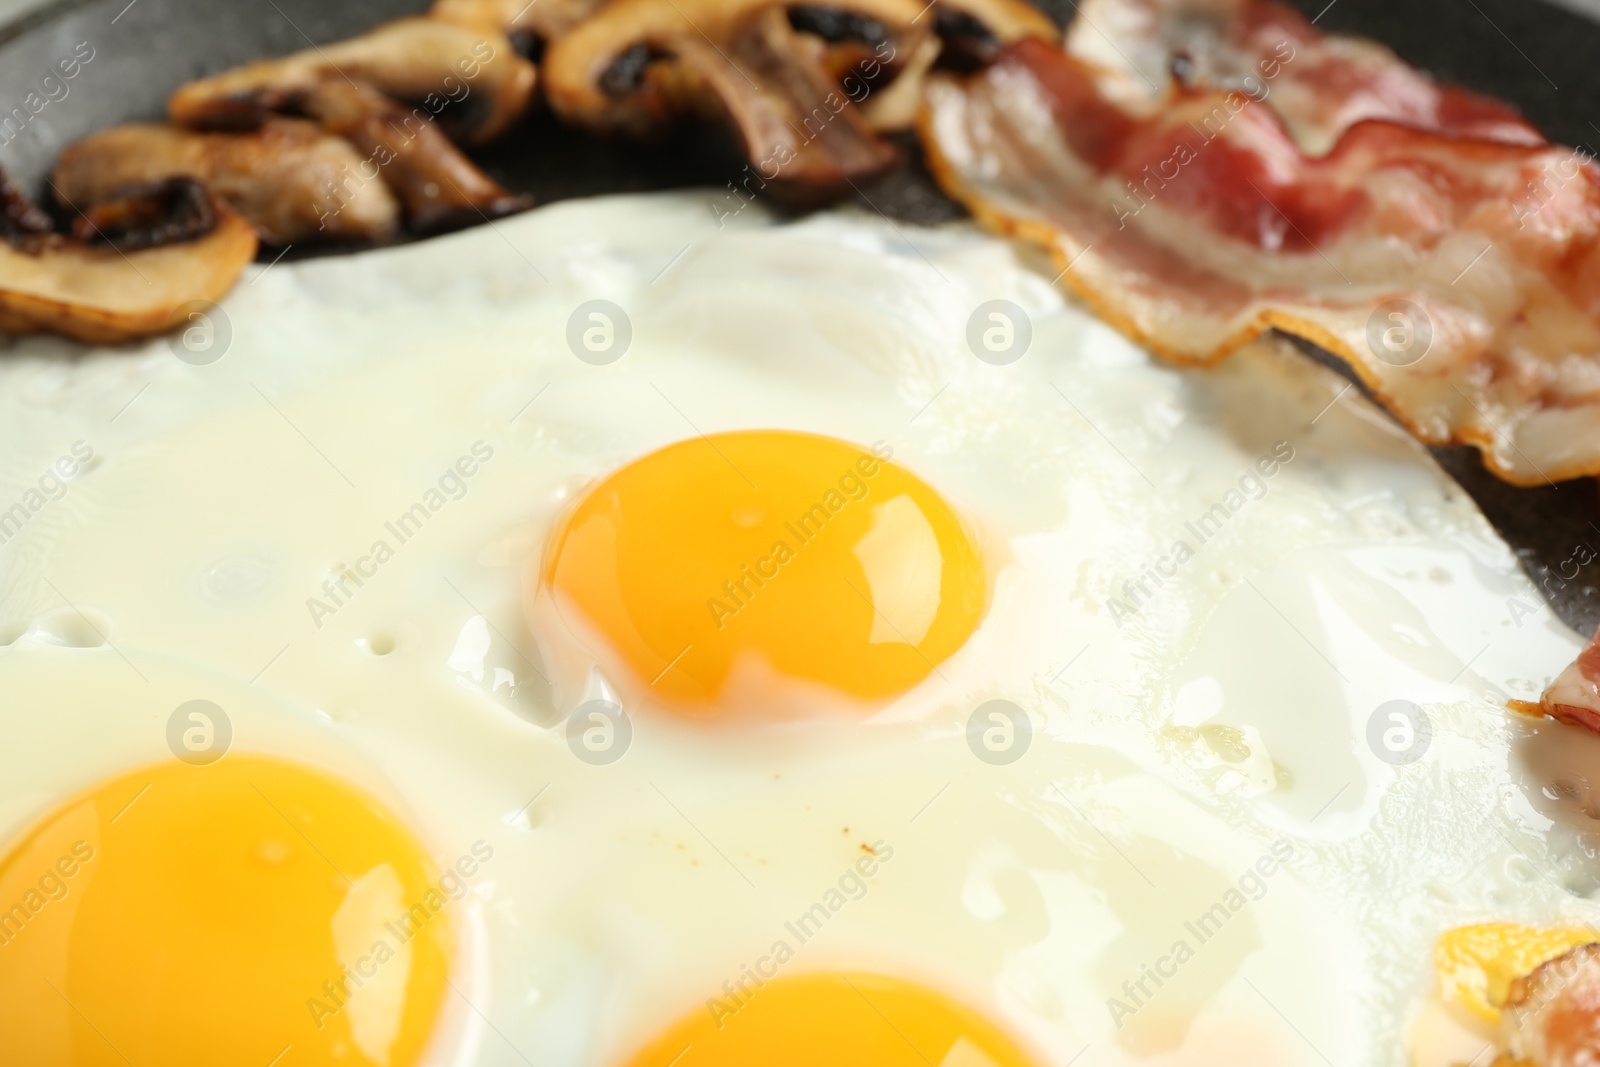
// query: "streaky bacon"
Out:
[1322,84]
[1205,173]
[1552,1016]
[1574,697]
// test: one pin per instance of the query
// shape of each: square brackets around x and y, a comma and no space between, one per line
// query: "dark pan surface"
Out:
[1539,57]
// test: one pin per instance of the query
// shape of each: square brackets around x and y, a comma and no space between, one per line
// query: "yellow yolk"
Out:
[193,916]
[721,570]
[842,1020]
[1477,964]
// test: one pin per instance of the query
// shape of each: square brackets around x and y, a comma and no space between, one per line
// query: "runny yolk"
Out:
[841,1020]
[749,569]
[234,913]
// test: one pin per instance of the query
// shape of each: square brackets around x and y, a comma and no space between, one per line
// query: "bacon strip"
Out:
[1552,1018]
[1574,697]
[1281,178]
[1320,84]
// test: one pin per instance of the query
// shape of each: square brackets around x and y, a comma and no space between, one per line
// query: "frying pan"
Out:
[1536,56]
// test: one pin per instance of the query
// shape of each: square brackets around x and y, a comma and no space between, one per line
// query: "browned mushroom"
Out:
[439,186]
[972,32]
[353,90]
[472,79]
[20,218]
[119,286]
[1552,1017]
[536,23]
[791,80]
[292,180]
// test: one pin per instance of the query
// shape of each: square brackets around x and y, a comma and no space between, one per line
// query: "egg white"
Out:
[1225,716]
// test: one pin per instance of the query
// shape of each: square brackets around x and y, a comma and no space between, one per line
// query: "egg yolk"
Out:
[740,569]
[248,912]
[1477,964]
[842,1020]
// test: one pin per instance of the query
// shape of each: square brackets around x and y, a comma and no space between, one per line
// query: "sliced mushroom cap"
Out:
[100,293]
[295,182]
[636,64]
[475,72]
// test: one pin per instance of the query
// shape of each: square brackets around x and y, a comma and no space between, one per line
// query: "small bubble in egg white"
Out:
[71,629]
[378,644]
[525,819]
[1441,892]
[1518,869]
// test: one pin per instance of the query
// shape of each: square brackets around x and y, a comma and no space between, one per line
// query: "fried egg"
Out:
[627,636]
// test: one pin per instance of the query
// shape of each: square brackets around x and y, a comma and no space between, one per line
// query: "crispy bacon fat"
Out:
[1204,171]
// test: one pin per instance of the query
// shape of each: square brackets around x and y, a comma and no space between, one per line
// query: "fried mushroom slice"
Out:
[1552,1016]
[295,182]
[439,186]
[20,218]
[972,32]
[638,64]
[519,20]
[398,143]
[471,77]
[118,287]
